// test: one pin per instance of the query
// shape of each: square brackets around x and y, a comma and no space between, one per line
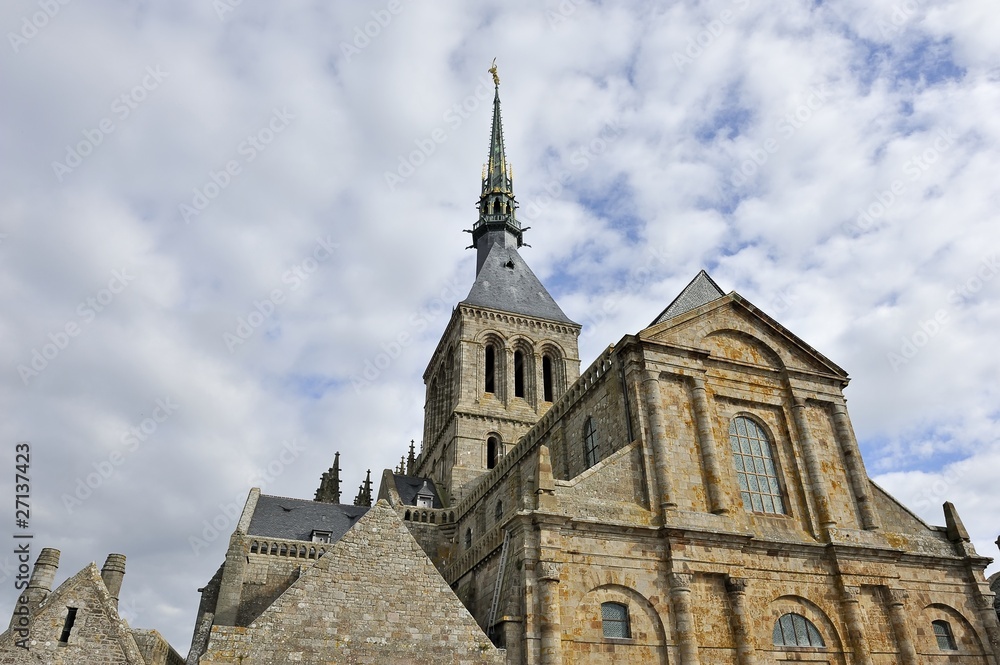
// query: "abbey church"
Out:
[694,495]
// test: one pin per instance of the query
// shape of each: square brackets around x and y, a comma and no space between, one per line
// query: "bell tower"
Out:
[507,353]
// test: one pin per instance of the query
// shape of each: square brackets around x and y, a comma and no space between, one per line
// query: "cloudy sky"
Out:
[218,218]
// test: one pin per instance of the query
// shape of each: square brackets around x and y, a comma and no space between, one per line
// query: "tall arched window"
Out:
[945,638]
[614,620]
[492,452]
[547,378]
[794,630]
[498,511]
[590,442]
[755,469]
[468,538]
[518,374]
[490,369]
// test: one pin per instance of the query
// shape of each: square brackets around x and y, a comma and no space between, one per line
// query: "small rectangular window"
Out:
[614,620]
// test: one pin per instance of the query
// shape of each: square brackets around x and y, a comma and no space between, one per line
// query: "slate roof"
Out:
[408,486]
[295,519]
[506,283]
[699,291]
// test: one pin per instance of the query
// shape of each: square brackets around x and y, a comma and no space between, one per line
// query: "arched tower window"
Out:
[794,630]
[614,620]
[755,469]
[518,373]
[491,369]
[492,452]
[547,378]
[945,638]
[498,511]
[468,538]
[590,442]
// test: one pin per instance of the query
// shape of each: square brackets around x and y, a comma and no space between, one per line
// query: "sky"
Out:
[231,233]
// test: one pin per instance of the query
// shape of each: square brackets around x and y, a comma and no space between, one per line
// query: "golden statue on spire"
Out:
[493,70]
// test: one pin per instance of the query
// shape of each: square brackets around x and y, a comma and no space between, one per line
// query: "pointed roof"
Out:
[381,599]
[497,177]
[296,519]
[506,283]
[699,291]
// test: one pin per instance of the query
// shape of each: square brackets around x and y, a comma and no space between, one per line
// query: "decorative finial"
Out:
[493,70]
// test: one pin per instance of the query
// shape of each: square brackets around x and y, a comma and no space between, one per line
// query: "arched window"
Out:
[492,452]
[518,374]
[945,638]
[590,442]
[614,620]
[794,630]
[468,538]
[491,369]
[498,511]
[547,378]
[755,470]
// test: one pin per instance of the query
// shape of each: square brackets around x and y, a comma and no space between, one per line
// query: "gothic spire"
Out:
[497,222]
[329,484]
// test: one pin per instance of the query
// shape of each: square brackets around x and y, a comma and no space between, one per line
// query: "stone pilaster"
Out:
[680,603]
[707,446]
[988,615]
[658,440]
[856,625]
[739,621]
[894,600]
[548,580]
[813,466]
[855,467]
[231,587]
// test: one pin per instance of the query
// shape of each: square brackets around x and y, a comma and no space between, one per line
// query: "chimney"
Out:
[42,577]
[113,573]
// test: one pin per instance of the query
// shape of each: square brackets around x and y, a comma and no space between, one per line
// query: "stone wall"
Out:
[373,598]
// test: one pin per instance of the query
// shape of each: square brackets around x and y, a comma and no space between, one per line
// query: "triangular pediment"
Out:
[506,283]
[731,327]
[700,291]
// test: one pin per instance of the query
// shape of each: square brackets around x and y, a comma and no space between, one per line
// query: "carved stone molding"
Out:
[895,596]
[681,581]
[548,570]
[736,585]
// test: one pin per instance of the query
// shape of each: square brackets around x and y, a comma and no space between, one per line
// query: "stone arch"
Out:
[495,366]
[773,442]
[814,613]
[554,384]
[967,638]
[647,628]
[741,347]
[493,449]
[523,357]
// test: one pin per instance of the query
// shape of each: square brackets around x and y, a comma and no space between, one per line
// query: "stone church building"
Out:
[696,495]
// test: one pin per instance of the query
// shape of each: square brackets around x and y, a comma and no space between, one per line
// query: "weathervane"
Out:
[493,70]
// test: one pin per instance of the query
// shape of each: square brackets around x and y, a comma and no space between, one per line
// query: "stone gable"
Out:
[375,597]
[99,635]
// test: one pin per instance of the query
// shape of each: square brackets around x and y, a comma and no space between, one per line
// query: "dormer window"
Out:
[425,496]
[321,536]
